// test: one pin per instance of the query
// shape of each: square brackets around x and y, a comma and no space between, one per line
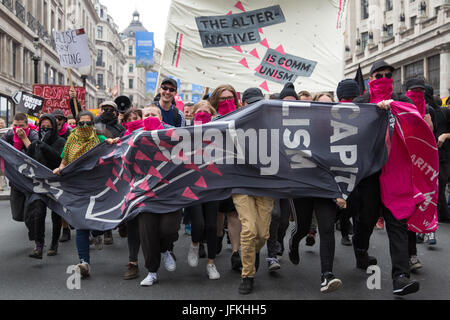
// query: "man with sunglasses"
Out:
[370,207]
[170,113]
[64,130]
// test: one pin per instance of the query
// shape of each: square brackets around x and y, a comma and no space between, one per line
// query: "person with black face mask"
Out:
[108,120]
[47,151]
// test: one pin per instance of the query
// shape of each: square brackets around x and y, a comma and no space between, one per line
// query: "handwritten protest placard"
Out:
[73,48]
[57,97]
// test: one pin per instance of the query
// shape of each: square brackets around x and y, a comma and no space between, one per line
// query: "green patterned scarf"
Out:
[79,142]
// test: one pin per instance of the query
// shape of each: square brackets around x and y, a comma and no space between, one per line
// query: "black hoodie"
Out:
[47,150]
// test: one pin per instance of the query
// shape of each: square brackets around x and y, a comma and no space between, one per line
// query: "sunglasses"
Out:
[167,88]
[384,75]
[60,118]
[85,123]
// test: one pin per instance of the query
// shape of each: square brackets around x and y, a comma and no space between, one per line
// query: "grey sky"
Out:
[153,15]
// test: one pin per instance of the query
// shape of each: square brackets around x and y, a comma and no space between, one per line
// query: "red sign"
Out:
[57,97]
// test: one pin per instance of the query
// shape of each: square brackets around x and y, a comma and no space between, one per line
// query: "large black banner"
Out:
[272,148]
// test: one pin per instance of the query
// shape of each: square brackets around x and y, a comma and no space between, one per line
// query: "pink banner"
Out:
[409,180]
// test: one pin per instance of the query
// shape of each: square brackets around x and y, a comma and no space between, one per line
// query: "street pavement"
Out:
[24,278]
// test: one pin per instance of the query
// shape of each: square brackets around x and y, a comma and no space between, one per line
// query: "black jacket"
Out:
[9,137]
[111,129]
[47,150]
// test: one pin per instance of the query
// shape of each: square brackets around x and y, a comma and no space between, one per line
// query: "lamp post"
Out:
[36,58]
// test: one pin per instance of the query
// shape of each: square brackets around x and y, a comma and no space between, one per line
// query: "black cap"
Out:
[59,113]
[415,83]
[252,95]
[288,91]
[347,88]
[170,81]
[380,65]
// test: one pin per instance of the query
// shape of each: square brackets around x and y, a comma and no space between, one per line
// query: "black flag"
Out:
[360,80]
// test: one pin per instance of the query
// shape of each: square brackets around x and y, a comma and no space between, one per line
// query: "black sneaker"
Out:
[65,235]
[108,238]
[53,251]
[246,286]
[294,255]
[345,241]
[420,238]
[236,263]
[123,232]
[363,260]
[403,285]
[37,251]
[311,239]
[257,261]
[329,283]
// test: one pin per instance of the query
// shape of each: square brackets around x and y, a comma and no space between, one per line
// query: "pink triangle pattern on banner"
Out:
[111,185]
[165,181]
[239,6]
[260,30]
[213,168]
[141,156]
[172,134]
[151,194]
[182,156]
[160,157]
[229,13]
[257,68]
[201,183]
[265,43]
[237,48]
[145,141]
[165,144]
[192,167]
[189,194]
[144,186]
[264,86]
[137,169]
[244,63]
[280,49]
[125,177]
[3,165]
[131,143]
[154,172]
[254,53]
[115,173]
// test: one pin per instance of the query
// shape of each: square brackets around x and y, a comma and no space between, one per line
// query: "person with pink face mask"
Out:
[132,121]
[369,194]
[204,216]
[224,100]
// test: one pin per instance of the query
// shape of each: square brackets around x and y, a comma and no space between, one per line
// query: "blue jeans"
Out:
[82,241]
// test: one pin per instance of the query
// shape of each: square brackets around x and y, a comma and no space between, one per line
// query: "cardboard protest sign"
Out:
[57,97]
[73,48]
[256,43]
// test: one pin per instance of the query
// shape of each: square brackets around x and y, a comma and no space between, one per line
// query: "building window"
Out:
[60,79]
[6,109]
[389,5]
[130,83]
[412,21]
[100,80]
[46,71]
[364,9]
[414,70]
[52,76]
[434,73]
[131,98]
[130,51]
[130,68]
[100,58]
[100,32]
[364,40]
[390,31]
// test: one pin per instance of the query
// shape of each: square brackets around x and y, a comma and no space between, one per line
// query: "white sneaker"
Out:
[169,262]
[84,269]
[212,272]
[193,256]
[149,280]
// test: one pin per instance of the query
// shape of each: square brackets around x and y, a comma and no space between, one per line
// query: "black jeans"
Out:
[370,209]
[158,232]
[444,171]
[35,222]
[19,204]
[278,226]
[412,241]
[134,241]
[325,210]
[204,225]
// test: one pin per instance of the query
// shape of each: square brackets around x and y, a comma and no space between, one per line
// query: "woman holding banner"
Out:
[225,100]
[82,139]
